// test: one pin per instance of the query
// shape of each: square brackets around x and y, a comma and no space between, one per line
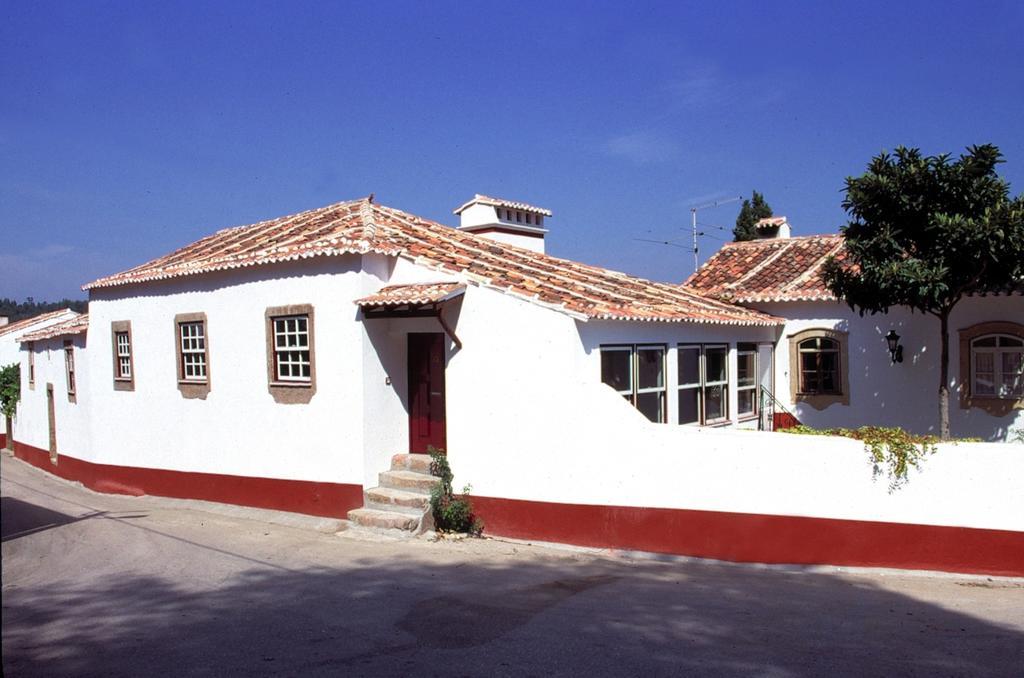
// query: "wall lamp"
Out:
[895,350]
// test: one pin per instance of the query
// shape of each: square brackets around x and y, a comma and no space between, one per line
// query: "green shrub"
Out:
[10,389]
[892,451]
[452,513]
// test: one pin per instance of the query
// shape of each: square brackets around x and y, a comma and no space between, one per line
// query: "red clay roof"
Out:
[427,293]
[76,325]
[360,226]
[27,322]
[780,269]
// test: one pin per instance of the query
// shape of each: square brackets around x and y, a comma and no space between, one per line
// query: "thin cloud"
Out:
[642,147]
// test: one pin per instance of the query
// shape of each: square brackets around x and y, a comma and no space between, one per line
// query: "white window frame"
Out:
[295,356]
[69,367]
[124,354]
[192,345]
[1000,392]
[702,387]
[837,349]
[751,351]
[631,394]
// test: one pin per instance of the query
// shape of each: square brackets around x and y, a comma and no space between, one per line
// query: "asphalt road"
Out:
[120,586]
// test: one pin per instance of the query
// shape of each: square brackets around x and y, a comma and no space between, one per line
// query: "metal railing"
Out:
[769,407]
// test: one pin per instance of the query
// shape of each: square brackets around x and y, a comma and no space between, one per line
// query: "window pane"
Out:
[652,405]
[714,362]
[689,365]
[985,341]
[714,405]
[745,369]
[689,406]
[1013,373]
[650,368]
[984,362]
[1010,341]
[745,401]
[615,369]
[829,372]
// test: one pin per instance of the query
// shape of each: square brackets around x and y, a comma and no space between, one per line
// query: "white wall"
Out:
[904,394]
[238,429]
[592,448]
[31,423]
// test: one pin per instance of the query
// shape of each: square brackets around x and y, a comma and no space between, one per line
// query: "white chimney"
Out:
[504,221]
[773,227]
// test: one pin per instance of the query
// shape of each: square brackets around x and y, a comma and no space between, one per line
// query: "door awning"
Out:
[413,301]
[421,296]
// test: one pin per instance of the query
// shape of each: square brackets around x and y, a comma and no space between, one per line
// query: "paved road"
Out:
[119,586]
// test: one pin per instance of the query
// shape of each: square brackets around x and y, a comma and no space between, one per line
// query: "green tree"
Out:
[750,212]
[924,232]
[10,394]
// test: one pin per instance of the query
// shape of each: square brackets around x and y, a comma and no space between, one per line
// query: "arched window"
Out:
[819,366]
[997,367]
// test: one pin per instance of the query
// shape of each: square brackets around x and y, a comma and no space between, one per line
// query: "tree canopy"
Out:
[923,232]
[750,212]
[16,311]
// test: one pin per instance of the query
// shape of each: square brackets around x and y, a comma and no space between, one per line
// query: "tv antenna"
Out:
[704,206]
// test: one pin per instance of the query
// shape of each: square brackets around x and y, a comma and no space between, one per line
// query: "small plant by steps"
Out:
[452,513]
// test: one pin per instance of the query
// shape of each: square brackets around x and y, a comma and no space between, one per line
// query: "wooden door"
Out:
[426,392]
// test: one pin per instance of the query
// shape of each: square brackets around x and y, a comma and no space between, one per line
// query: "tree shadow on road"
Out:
[492,617]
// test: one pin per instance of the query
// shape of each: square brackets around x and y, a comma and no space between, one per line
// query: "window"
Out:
[31,364]
[193,354]
[637,373]
[124,358]
[746,380]
[291,348]
[992,367]
[291,361]
[703,383]
[193,351]
[997,363]
[818,367]
[69,368]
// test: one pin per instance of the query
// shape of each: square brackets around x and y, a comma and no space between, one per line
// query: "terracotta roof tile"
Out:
[427,293]
[76,325]
[781,269]
[361,226]
[26,322]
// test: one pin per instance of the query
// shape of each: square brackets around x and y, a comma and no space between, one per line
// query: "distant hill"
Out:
[26,309]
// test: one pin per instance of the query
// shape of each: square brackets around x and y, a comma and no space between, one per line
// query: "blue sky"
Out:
[130,129]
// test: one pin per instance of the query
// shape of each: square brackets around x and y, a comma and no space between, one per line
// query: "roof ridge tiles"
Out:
[579,290]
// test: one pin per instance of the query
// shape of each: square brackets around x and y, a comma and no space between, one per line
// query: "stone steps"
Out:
[402,501]
[408,480]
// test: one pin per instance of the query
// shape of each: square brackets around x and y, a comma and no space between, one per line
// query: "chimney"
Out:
[773,227]
[505,221]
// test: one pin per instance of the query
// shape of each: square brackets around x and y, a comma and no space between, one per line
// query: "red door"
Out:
[426,392]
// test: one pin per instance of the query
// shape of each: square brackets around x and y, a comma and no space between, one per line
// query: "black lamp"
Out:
[895,350]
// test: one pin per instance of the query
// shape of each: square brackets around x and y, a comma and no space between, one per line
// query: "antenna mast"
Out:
[693,213]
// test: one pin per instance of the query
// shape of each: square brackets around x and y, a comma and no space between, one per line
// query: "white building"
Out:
[10,333]
[847,376]
[282,364]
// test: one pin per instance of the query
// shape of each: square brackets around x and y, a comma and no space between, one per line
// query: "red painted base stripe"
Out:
[331,500]
[743,537]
